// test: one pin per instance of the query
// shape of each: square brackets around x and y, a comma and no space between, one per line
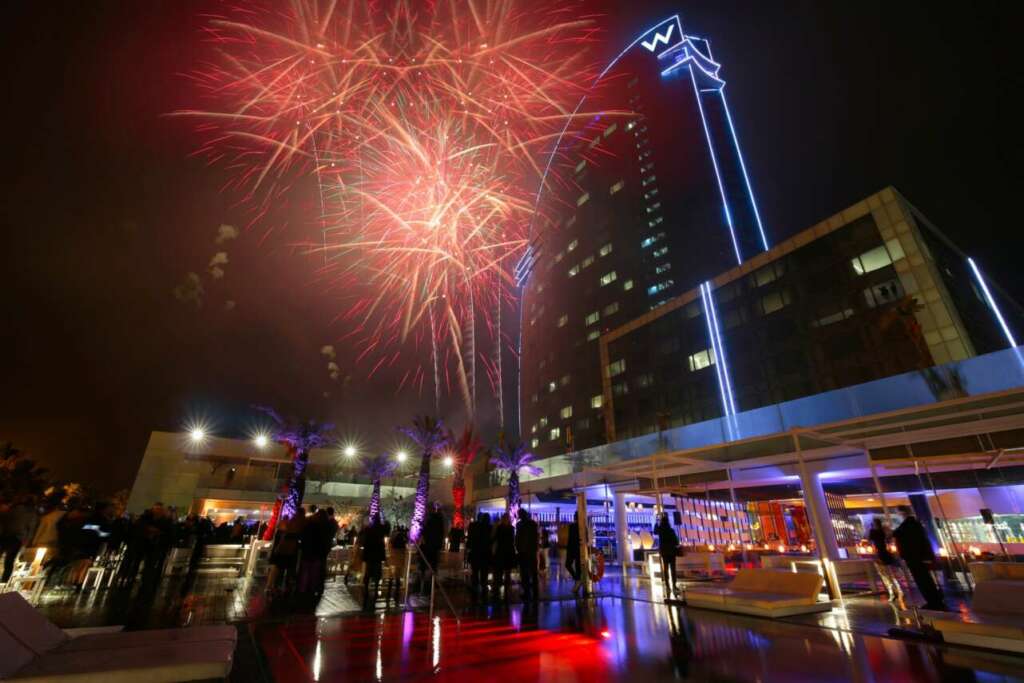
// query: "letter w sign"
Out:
[659,38]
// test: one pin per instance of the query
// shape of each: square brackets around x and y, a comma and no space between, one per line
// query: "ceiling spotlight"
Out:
[349,451]
[261,440]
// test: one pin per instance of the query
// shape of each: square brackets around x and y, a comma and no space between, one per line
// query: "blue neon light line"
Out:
[992,303]
[743,168]
[714,350]
[721,349]
[718,175]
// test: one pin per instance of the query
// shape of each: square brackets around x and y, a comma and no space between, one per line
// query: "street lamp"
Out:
[261,441]
[449,461]
[197,435]
[401,456]
[349,451]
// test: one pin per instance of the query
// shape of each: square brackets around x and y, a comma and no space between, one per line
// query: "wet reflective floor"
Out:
[608,639]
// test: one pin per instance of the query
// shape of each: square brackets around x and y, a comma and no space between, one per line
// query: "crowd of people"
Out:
[915,549]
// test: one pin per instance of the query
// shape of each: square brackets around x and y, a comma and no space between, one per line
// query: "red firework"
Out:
[426,128]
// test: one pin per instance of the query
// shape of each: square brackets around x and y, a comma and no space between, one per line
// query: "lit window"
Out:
[616,187]
[645,380]
[608,278]
[566,412]
[763,276]
[656,221]
[559,256]
[648,241]
[562,321]
[534,398]
[895,249]
[610,129]
[572,245]
[555,433]
[543,422]
[871,261]
[533,428]
[597,401]
[583,199]
[627,285]
[587,261]
[648,180]
[611,308]
[660,287]
[551,387]
[653,207]
[662,268]
[658,253]
[605,250]
[593,143]
[574,270]
[774,301]
[617,368]
[593,334]
[620,389]
[702,359]
[592,317]
[564,380]
[652,193]
[572,221]
[534,442]
[580,166]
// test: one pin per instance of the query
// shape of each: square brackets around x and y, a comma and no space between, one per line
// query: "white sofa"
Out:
[33,649]
[763,592]
[996,617]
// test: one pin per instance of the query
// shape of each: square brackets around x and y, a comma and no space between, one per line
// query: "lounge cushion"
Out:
[999,596]
[994,627]
[13,653]
[715,596]
[766,600]
[35,631]
[192,634]
[163,663]
[774,581]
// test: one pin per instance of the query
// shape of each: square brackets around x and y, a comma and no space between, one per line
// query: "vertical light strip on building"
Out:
[714,162]
[992,303]
[721,364]
[743,168]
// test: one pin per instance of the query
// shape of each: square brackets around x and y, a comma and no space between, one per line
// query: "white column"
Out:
[625,553]
[817,512]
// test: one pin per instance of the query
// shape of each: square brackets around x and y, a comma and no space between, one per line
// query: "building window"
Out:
[597,401]
[592,318]
[616,187]
[534,398]
[534,442]
[763,276]
[702,359]
[564,380]
[620,389]
[658,253]
[648,241]
[551,387]
[834,318]
[533,428]
[559,256]
[580,166]
[648,180]
[652,193]
[562,321]
[574,270]
[593,334]
[611,308]
[775,301]
[583,424]
[566,412]
[627,285]
[555,433]
[572,245]
[653,207]
[605,250]
[608,278]
[611,129]
[583,199]
[883,293]
[617,368]
[655,221]
[587,261]
[543,422]
[645,380]
[663,267]
[659,287]
[871,260]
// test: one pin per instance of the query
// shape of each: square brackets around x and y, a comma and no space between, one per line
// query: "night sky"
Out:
[105,209]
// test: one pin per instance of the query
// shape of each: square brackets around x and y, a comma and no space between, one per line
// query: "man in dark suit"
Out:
[527,542]
[916,550]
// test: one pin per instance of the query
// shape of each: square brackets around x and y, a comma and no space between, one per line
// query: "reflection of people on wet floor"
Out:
[668,548]
[916,550]
[527,544]
[680,643]
[503,559]
[478,547]
[373,557]
[431,543]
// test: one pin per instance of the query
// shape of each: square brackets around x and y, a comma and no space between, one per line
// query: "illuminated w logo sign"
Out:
[659,38]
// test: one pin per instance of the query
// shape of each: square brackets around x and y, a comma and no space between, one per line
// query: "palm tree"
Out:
[378,467]
[299,438]
[430,436]
[464,450]
[513,458]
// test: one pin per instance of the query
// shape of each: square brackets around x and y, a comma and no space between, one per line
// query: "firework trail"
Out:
[424,127]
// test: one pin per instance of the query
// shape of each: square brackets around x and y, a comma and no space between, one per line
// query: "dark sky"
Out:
[105,209]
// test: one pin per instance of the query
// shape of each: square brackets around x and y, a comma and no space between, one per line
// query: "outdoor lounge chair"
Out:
[995,620]
[34,649]
[763,592]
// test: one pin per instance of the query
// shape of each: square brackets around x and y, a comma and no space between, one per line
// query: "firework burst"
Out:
[426,128]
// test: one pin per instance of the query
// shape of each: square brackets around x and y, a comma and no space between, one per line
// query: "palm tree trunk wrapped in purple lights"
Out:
[299,437]
[464,450]
[377,467]
[429,434]
[514,459]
